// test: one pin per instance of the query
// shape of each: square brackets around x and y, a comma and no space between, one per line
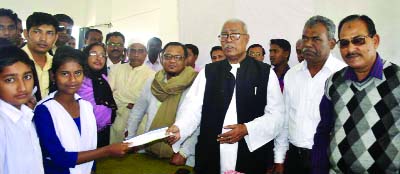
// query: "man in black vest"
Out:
[239,107]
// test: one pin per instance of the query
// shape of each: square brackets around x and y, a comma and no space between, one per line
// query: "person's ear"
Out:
[376,38]
[332,43]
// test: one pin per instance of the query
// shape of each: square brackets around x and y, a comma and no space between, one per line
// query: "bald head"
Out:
[137,54]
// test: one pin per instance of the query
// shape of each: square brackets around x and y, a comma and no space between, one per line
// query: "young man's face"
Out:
[191,59]
[94,37]
[217,55]
[41,38]
[16,84]
[277,55]
[8,29]
[64,34]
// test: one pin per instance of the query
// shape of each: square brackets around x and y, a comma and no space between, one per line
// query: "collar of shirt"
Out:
[49,58]
[329,65]
[16,114]
[376,71]
[284,72]
[147,61]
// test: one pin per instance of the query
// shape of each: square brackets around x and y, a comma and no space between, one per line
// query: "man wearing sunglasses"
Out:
[360,111]
[304,88]
[239,107]
[127,81]
[65,30]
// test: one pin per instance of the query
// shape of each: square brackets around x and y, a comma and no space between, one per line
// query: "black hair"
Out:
[64,18]
[194,49]
[40,18]
[12,54]
[86,51]
[92,30]
[283,43]
[115,34]
[185,52]
[215,48]
[255,46]
[9,13]
[368,21]
[155,39]
[63,55]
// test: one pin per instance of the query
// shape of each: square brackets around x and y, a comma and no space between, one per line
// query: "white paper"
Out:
[148,137]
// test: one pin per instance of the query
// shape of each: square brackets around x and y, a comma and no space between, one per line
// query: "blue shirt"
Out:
[55,159]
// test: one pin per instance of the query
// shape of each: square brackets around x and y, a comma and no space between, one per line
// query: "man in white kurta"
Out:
[256,132]
[127,82]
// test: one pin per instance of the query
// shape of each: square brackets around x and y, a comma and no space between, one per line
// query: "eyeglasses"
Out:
[9,28]
[93,53]
[134,51]
[111,44]
[174,57]
[254,54]
[357,41]
[232,36]
[63,28]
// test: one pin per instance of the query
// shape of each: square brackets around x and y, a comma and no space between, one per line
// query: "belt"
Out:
[300,150]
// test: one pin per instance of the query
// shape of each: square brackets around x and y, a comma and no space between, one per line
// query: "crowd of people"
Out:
[62,108]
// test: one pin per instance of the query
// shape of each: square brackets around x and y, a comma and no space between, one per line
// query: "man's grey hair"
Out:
[329,25]
[234,20]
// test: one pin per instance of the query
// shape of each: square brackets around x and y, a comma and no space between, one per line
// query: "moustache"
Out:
[307,50]
[353,54]
[228,45]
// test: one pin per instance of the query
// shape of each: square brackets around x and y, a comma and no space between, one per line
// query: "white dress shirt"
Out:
[19,144]
[302,95]
[189,117]
[156,66]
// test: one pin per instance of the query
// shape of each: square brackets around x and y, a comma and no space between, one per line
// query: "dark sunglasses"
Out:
[357,41]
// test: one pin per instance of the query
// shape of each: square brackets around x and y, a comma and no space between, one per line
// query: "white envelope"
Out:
[148,137]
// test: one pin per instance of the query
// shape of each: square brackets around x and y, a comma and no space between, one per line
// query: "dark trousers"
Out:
[103,137]
[298,160]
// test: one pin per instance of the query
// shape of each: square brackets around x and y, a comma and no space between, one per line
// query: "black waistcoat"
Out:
[251,98]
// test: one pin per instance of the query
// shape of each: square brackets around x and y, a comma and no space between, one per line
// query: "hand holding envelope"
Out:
[148,137]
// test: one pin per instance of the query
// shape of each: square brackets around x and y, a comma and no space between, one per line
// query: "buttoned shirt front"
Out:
[302,95]
[42,73]
[156,66]
[19,144]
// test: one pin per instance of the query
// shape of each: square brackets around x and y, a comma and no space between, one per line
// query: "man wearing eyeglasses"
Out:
[360,111]
[160,99]
[239,107]
[304,88]
[65,30]
[127,81]
[115,42]
[256,51]
[279,53]
[8,25]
